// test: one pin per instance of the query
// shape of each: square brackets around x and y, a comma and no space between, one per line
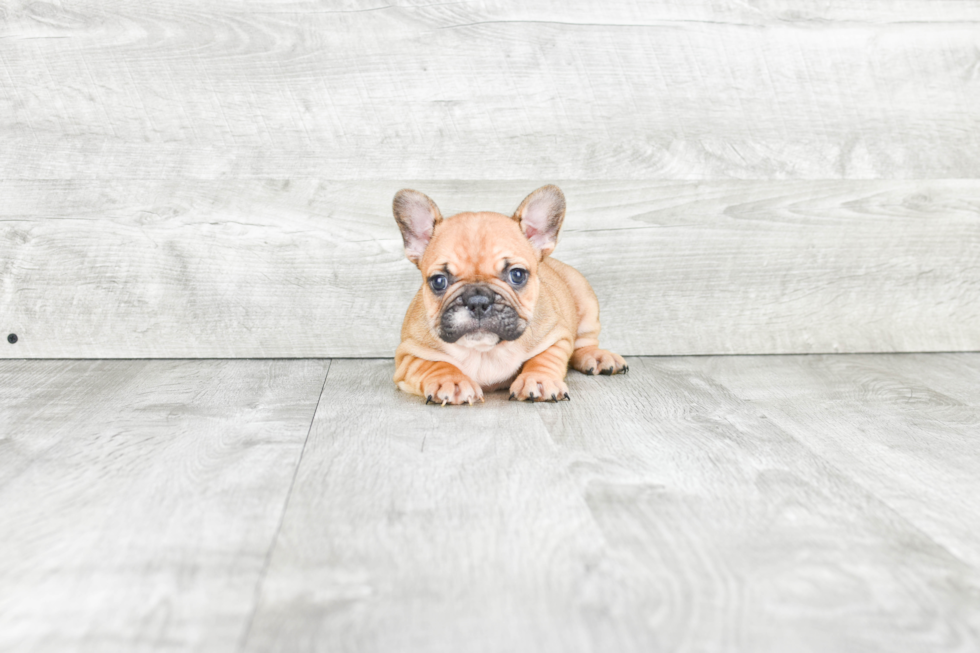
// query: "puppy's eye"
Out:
[517,276]
[438,282]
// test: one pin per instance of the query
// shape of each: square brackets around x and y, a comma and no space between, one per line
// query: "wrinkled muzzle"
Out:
[479,308]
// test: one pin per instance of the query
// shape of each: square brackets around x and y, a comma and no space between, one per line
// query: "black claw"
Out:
[554,397]
[428,400]
[608,371]
[567,398]
[513,396]
[591,370]
[530,397]
[626,369]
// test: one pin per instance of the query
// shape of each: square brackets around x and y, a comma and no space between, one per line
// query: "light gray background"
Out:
[188,179]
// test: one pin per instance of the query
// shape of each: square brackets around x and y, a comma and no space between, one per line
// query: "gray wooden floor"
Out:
[797,503]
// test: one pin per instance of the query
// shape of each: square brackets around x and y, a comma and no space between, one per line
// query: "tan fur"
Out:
[559,306]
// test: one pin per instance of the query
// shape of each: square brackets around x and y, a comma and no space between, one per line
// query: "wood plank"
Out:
[582,90]
[411,529]
[655,511]
[767,546]
[139,499]
[38,398]
[315,268]
[907,428]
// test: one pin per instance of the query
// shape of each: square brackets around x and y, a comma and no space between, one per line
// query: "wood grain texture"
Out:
[139,499]
[905,427]
[490,90]
[304,268]
[415,530]
[654,512]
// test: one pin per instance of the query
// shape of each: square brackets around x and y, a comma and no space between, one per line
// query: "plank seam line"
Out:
[22,359]
[260,583]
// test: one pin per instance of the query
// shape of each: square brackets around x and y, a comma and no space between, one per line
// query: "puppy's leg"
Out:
[542,378]
[588,358]
[437,381]
[592,360]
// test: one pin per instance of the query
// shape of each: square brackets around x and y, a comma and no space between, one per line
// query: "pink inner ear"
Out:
[415,244]
[425,233]
[530,232]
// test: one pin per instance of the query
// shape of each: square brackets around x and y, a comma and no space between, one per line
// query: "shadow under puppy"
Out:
[494,310]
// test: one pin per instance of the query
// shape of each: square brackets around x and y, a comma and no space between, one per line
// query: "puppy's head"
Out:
[480,270]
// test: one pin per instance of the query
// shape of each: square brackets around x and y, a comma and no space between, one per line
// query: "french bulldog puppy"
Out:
[494,309]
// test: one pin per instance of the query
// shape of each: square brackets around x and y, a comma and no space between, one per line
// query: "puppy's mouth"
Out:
[479,340]
[479,317]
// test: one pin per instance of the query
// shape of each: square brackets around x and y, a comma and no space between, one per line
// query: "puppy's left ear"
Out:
[417,217]
[540,216]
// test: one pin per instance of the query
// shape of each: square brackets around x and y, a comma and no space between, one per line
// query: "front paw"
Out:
[598,361]
[451,388]
[531,386]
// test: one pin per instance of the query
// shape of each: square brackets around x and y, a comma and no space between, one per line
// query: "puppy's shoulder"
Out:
[554,272]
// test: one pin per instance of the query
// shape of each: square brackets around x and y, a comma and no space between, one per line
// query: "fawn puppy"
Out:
[494,309]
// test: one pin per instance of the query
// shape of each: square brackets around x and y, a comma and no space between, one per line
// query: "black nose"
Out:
[479,301]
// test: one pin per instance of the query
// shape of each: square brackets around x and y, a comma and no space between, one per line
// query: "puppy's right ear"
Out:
[417,217]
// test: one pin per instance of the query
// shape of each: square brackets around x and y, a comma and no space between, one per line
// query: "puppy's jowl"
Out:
[494,310]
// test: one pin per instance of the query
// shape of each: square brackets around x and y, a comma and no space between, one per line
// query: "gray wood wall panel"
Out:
[139,499]
[488,90]
[192,268]
[212,179]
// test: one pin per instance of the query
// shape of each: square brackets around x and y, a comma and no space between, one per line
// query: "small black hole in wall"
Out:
[12,338]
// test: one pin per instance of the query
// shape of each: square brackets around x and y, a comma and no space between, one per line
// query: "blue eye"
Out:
[517,276]
[438,282]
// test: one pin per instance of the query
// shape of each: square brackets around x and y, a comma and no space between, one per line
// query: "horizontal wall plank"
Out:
[576,11]
[585,90]
[298,269]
